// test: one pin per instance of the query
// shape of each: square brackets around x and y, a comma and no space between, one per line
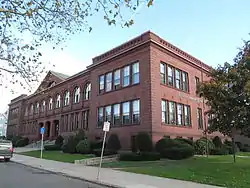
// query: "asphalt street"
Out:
[14,175]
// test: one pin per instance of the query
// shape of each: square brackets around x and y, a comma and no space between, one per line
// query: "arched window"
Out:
[87,91]
[58,101]
[43,106]
[66,98]
[77,95]
[37,107]
[31,109]
[50,103]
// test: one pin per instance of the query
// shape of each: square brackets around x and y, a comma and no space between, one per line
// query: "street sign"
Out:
[42,130]
[106,126]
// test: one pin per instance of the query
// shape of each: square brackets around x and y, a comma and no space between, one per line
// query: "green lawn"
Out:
[57,156]
[214,170]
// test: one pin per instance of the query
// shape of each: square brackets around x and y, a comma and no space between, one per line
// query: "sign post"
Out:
[106,128]
[42,130]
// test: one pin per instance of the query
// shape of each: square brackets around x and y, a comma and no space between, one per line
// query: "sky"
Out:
[211,31]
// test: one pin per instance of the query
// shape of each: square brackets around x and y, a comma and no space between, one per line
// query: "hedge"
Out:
[143,156]
[183,151]
[219,151]
[83,147]
[97,152]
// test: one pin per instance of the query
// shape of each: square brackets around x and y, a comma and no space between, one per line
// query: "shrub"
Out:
[202,144]
[160,145]
[228,143]
[83,147]
[52,147]
[184,140]
[144,142]
[15,139]
[70,145]
[80,135]
[219,151]
[217,142]
[143,156]
[114,143]
[246,149]
[183,151]
[96,145]
[59,141]
[106,152]
[240,145]
[22,142]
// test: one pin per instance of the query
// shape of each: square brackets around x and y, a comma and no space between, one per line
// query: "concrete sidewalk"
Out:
[108,177]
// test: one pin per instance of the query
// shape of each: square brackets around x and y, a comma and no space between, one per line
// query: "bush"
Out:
[183,151]
[52,147]
[22,142]
[143,156]
[144,142]
[160,145]
[246,149]
[219,151]
[80,135]
[114,143]
[240,145]
[97,152]
[201,145]
[96,145]
[14,140]
[184,140]
[228,143]
[217,142]
[59,141]
[83,147]
[70,145]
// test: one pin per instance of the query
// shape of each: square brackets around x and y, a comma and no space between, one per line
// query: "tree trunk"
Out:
[233,145]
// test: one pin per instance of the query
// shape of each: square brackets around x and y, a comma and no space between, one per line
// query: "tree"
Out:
[114,143]
[227,93]
[49,22]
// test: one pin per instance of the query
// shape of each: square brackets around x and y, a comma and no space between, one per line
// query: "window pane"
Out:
[126,113]
[185,81]
[172,113]
[136,74]
[164,111]
[101,82]
[109,81]
[100,117]
[199,117]
[116,109]
[126,76]
[108,113]
[178,79]
[136,111]
[170,76]
[179,114]
[117,79]
[162,68]
[187,115]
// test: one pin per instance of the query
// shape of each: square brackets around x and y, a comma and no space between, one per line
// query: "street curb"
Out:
[73,177]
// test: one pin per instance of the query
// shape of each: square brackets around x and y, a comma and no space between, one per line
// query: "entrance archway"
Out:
[56,128]
[47,129]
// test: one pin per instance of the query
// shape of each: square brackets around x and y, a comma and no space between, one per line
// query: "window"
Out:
[86,119]
[50,104]
[87,91]
[135,73]
[179,114]
[101,84]
[172,113]
[136,111]
[163,73]
[126,76]
[164,111]
[197,81]
[31,109]
[77,95]
[126,113]
[185,85]
[26,111]
[108,82]
[199,118]
[66,98]
[187,115]
[58,101]
[76,120]
[43,106]
[117,114]
[117,79]
[170,76]
[100,117]
[177,79]
[37,108]
[108,113]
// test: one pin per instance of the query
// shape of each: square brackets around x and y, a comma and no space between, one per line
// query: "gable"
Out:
[50,80]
